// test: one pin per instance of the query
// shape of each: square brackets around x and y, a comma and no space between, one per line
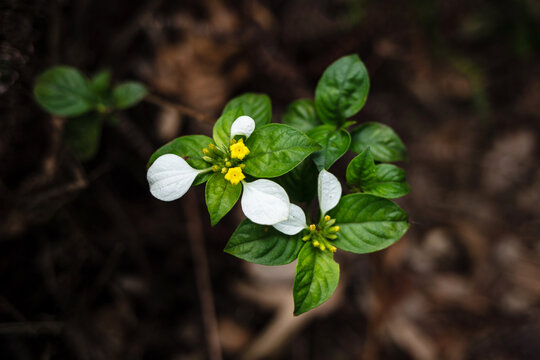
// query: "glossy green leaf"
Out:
[384,143]
[190,148]
[128,94]
[82,135]
[276,149]
[64,91]
[263,245]
[301,114]
[301,182]
[100,82]
[222,127]
[342,90]
[221,196]
[334,144]
[361,169]
[390,182]
[257,106]
[368,223]
[316,279]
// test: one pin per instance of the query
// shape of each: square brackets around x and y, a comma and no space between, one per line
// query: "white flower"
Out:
[244,125]
[329,191]
[170,177]
[265,202]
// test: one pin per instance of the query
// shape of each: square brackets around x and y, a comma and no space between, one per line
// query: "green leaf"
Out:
[316,279]
[301,182]
[221,196]
[276,149]
[82,135]
[368,223]
[301,114]
[390,182]
[128,94]
[64,91]
[222,127]
[383,142]
[257,106]
[361,169]
[190,148]
[342,90]
[334,144]
[100,82]
[263,245]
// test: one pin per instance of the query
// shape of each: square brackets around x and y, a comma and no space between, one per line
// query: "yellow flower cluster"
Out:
[239,150]
[235,175]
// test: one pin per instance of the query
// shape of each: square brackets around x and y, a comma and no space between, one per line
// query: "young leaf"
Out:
[276,149]
[128,94]
[64,91]
[301,182]
[257,106]
[263,245]
[221,196]
[334,144]
[368,223]
[389,182]
[301,114]
[384,143]
[222,127]
[316,279]
[190,148]
[342,90]
[82,135]
[361,169]
[100,82]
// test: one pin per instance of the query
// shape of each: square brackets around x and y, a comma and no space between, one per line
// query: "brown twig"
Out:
[202,275]
[31,328]
[185,110]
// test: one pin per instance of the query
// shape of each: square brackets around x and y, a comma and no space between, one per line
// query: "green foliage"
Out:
[276,149]
[257,106]
[301,114]
[334,144]
[316,279]
[263,244]
[342,90]
[368,223]
[384,143]
[221,196]
[64,91]
[128,94]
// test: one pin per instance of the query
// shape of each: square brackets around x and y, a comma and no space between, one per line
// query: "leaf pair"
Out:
[64,91]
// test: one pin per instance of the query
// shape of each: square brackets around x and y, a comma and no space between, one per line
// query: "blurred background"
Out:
[93,267]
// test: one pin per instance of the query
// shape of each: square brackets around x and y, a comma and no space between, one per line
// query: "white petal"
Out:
[244,125]
[170,177]
[265,202]
[295,223]
[329,191]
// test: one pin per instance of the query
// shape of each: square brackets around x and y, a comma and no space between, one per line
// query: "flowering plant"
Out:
[246,149]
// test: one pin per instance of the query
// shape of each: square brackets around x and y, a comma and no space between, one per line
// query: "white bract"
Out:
[244,125]
[263,201]
[329,191]
[170,177]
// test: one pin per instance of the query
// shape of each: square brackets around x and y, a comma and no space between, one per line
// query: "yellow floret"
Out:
[312,227]
[239,150]
[234,175]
